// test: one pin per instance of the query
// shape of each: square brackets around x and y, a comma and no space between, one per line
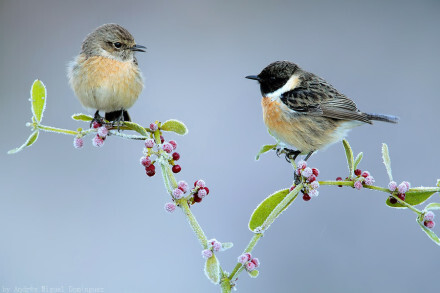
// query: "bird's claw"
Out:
[289,154]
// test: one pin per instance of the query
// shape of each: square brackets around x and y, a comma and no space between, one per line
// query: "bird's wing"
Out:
[317,97]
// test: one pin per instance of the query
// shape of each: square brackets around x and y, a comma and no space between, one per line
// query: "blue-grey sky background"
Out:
[92,218]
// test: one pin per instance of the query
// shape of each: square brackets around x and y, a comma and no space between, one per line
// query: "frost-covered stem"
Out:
[165,178]
[249,249]
[128,136]
[193,222]
[54,129]
[407,205]
[225,284]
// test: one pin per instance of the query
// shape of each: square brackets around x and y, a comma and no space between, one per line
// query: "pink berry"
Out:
[95,124]
[173,143]
[311,178]
[177,193]
[302,164]
[429,224]
[176,169]
[250,266]
[153,126]
[403,187]
[369,180]
[401,196]
[207,253]
[216,245]
[97,141]
[314,185]
[206,189]
[315,172]
[200,183]
[307,172]
[393,200]
[339,179]
[167,147]
[365,174]
[357,172]
[244,258]
[145,161]
[392,186]
[170,207]
[149,143]
[102,131]
[201,193]
[313,193]
[306,197]
[78,142]
[182,185]
[162,139]
[429,216]
[197,199]
[256,262]
[358,185]
[176,156]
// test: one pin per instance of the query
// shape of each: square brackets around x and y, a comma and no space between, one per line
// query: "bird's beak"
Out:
[138,48]
[254,77]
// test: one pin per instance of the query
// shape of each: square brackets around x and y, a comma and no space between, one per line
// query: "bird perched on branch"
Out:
[105,75]
[304,111]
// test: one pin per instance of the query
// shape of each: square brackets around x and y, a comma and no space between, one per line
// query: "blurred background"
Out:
[91,218]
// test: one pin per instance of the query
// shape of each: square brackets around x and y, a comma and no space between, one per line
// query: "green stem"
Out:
[407,204]
[193,223]
[249,249]
[54,129]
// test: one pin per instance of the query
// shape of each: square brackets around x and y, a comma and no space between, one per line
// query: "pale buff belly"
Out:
[105,84]
[301,131]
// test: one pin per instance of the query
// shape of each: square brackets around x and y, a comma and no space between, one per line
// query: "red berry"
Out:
[151,173]
[357,172]
[401,196]
[176,169]
[195,183]
[339,179]
[306,197]
[162,139]
[429,224]
[311,178]
[207,190]
[197,199]
[173,143]
[176,156]
[393,200]
[315,172]
[96,124]
[365,174]
[150,168]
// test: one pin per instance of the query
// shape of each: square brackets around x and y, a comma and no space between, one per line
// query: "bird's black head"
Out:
[274,76]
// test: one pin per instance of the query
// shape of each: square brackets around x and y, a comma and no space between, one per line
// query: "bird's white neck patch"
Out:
[291,84]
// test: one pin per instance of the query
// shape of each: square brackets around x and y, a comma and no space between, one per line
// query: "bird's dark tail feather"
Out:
[382,117]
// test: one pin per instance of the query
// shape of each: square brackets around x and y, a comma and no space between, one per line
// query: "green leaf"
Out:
[265,149]
[136,127]
[414,196]
[260,217]
[350,158]
[387,160]
[82,117]
[430,234]
[227,245]
[253,274]
[358,160]
[212,269]
[433,206]
[175,126]
[38,99]
[32,138]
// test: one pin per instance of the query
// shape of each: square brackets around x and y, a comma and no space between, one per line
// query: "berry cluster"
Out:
[249,263]
[169,153]
[360,179]
[199,191]
[98,139]
[401,189]
[428,220]
[308,177]
[213,246]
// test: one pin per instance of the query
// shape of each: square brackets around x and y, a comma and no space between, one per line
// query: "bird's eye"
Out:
[117,45]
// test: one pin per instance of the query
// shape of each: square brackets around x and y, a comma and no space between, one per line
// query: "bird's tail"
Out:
[382,117]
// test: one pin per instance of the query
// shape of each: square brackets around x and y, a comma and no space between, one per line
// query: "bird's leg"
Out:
[289,154]
[308,155]
[119,121]
[97,118]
